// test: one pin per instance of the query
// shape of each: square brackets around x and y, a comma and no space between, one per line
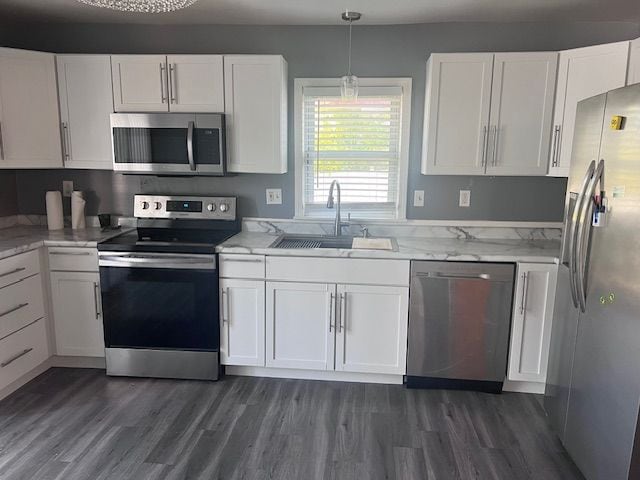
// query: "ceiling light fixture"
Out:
[349,83]
[141,6]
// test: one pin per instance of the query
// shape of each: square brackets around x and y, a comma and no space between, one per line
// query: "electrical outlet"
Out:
[418,198]
[67,188]
[465,198]
[274,196]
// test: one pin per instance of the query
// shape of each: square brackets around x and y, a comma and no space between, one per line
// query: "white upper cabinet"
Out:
[256,106]
[582,73]
[196,83]
[86,101]
[29,119]
[140,83]
[457,102]
[521,113]
[633,75]
[531,324]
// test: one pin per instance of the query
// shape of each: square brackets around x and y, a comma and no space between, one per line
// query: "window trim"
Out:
[403,167]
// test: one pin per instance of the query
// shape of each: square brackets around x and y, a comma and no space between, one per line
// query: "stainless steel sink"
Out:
[312,241]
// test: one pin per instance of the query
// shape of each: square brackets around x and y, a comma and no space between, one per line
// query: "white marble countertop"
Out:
[22,238]
[411,248]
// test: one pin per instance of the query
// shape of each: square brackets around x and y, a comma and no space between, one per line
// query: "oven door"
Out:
[160,301]
[169,143]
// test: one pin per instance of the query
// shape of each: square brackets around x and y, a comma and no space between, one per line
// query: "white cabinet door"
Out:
[242,322]
[521,111]
[457,101]
[531,324]
[633,75]
[300,323]
[29,120]
[371,335]
[86,101]
[256,106]
[140,83]
[77,313]
[582,73]
[196,83]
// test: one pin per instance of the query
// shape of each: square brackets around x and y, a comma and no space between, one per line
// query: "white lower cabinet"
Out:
[242,322]
[77,313]
[371,336]
[300,325]
[531,324]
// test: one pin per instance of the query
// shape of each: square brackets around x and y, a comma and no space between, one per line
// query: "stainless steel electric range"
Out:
[159,288]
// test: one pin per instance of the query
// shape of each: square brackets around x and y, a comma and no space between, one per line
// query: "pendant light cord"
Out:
[350,24]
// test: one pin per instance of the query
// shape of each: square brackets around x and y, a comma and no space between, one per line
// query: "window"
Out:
[363,144]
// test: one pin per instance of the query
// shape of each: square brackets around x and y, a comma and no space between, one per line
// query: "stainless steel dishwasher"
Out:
[459,323]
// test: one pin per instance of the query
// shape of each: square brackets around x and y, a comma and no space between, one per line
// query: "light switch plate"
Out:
[418,198]
[274,196]
[67,188]
[465,198]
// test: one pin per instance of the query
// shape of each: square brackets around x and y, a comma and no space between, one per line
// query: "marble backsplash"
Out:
[404,230]
[41,220]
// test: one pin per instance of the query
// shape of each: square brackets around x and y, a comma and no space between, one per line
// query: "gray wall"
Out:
[8,196]
[320,52]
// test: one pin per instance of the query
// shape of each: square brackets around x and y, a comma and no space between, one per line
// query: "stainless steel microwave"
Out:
[169,143]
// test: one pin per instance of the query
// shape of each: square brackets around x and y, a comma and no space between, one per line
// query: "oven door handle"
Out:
[192,262]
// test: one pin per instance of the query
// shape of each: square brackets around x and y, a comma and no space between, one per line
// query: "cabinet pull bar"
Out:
[162,83]
[11,272]
[172,83]
[11,310]
[523,304]
[343,312]
[243,260]
[15,357]
[485,131]
[96,292]
[332,299]
[1,144]
[494,161]
[70,253]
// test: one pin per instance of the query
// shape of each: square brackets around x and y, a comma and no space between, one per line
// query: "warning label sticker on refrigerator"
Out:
[618,191]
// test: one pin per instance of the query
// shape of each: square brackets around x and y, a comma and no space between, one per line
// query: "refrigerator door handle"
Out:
[573,230]
[583,229]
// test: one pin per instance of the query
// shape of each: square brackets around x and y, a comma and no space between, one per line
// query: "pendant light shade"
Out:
[141,6]
[349,83]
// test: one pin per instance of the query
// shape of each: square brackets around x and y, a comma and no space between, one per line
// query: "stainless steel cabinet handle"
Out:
[224,297]
[243,260]
[11,310]
[70,253]
[523,300]
[11,272]
[485,132]
[1,144]
[96,300]
[192,163]
[343,312]
[172,83]
[162,82]
[556,137]
[66,141]
[494,160]
[15,357]
[332,308]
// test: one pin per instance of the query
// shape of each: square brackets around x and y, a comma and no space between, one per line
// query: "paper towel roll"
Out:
[55,220]
[77,210]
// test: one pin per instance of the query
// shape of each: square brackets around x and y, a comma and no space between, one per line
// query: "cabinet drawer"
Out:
[338,270]
[242,266]
[74,259]
[16,268]
[20,304]
[22,352]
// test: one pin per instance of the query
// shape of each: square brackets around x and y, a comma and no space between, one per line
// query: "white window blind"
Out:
[354,142]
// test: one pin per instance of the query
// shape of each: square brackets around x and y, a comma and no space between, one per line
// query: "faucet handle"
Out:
[365,231]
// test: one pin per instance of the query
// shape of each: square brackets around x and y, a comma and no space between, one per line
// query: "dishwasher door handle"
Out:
[456,276]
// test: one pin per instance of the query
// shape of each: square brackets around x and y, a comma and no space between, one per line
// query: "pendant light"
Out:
[349,83]
[141,6]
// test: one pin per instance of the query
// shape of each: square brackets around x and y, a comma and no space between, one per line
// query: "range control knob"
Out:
[224,207]
[211,207]
[158,205]
[145,205]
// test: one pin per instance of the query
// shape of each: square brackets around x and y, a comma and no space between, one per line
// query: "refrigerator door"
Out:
[605,385]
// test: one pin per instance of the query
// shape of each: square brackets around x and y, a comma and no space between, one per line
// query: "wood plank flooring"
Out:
[71,424]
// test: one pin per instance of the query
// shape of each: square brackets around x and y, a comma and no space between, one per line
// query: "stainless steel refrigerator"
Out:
[593,384]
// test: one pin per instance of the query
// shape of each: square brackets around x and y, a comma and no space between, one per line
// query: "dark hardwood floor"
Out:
[72,424]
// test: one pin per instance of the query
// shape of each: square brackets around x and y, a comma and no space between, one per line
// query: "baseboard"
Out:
[523,387]
[313,375]
[77,362]
[26,378]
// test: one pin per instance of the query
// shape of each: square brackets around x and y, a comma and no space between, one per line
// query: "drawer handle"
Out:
[69,253]
[11,272]
[15,357]
[243,260]
[18,307]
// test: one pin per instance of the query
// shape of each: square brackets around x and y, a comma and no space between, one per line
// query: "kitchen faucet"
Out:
[338,224]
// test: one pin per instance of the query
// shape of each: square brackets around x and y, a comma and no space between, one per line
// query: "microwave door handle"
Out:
[192,163]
